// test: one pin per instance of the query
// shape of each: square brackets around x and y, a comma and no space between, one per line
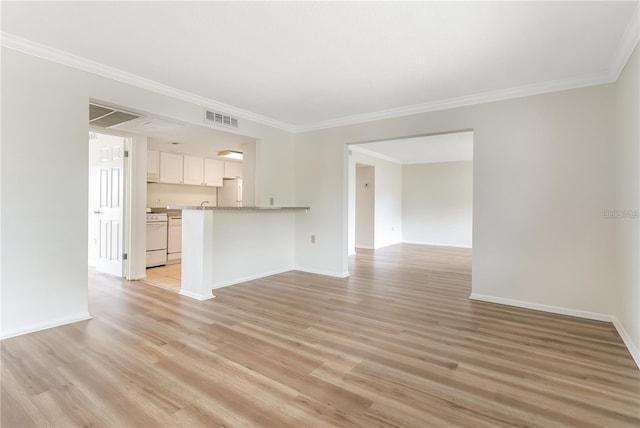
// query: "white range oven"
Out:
[156,239]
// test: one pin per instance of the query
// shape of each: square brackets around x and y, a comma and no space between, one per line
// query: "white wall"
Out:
[628,198]
[159,195]
[544,169]
[542,173]
[44,235]
[249,174]
[365,196]
[213,239]
[437,202]
[388,197]
[351,204]
[274,171]
[44,196]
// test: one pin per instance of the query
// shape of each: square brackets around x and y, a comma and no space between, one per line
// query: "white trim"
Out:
[48,53]
[202,297]
[436,244]
[567,311]
[196,296]
[544,308]
[251,277]
[323,272]
[469,100]
[61,57]
[365,247]
[626,45]
[635,354]
[83,316]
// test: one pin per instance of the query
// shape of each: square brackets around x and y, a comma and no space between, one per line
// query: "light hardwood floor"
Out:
[168,276]
[398,344]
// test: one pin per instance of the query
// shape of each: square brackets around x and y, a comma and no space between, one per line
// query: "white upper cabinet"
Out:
[153,166]
[213,172]
[186,169]
[193,170]
[232,169]
[171,168]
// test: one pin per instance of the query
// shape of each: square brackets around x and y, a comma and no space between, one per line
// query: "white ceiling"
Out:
[194,140]
[301,65]
[456,146]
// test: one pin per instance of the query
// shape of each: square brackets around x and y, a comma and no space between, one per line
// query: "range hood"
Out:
[107,117]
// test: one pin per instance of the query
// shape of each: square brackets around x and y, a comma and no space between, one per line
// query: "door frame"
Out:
[127,223]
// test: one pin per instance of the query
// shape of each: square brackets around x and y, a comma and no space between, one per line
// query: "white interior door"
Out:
[106,211]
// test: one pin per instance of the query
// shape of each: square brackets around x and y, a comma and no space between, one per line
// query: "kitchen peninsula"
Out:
[222,246]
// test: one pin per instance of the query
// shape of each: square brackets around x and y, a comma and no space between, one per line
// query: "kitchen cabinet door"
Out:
[153,166]
[193,170]
[213,172]
[232,169]
[171,168]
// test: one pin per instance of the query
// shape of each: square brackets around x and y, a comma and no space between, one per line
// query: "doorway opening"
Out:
[171,164]
[416,190]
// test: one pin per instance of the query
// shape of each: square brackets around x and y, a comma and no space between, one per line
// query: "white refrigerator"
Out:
[230,194]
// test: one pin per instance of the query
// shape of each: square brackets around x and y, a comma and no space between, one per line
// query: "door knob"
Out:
[97,212]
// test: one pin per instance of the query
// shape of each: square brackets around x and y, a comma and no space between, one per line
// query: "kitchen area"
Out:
[181,174]
[174,205]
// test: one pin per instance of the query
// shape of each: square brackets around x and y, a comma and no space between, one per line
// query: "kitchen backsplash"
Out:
[161,195]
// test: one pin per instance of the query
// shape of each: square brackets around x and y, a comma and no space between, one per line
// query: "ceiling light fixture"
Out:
[231,154]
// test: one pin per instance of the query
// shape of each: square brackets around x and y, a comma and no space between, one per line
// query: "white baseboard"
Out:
[323,272]
[436,244]
[633,350]
[251,277]
[389,244]
[544,308]
[83,316]
[203,297]
[197,296]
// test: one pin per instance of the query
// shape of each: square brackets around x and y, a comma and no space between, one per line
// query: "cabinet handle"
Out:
[97,212]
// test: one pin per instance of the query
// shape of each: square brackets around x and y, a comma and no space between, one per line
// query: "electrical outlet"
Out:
[271,201]
[313,239]
[158,202]
[393,228]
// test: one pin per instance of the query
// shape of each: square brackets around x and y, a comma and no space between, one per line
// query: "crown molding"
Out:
[48,53]
[623,52]
[626,45]
[500,95]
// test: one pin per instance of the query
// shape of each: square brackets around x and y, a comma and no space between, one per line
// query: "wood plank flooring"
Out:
[398,344]
[168,276]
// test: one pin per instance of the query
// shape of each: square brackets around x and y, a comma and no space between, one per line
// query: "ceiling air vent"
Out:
[221,119]
[106,117]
